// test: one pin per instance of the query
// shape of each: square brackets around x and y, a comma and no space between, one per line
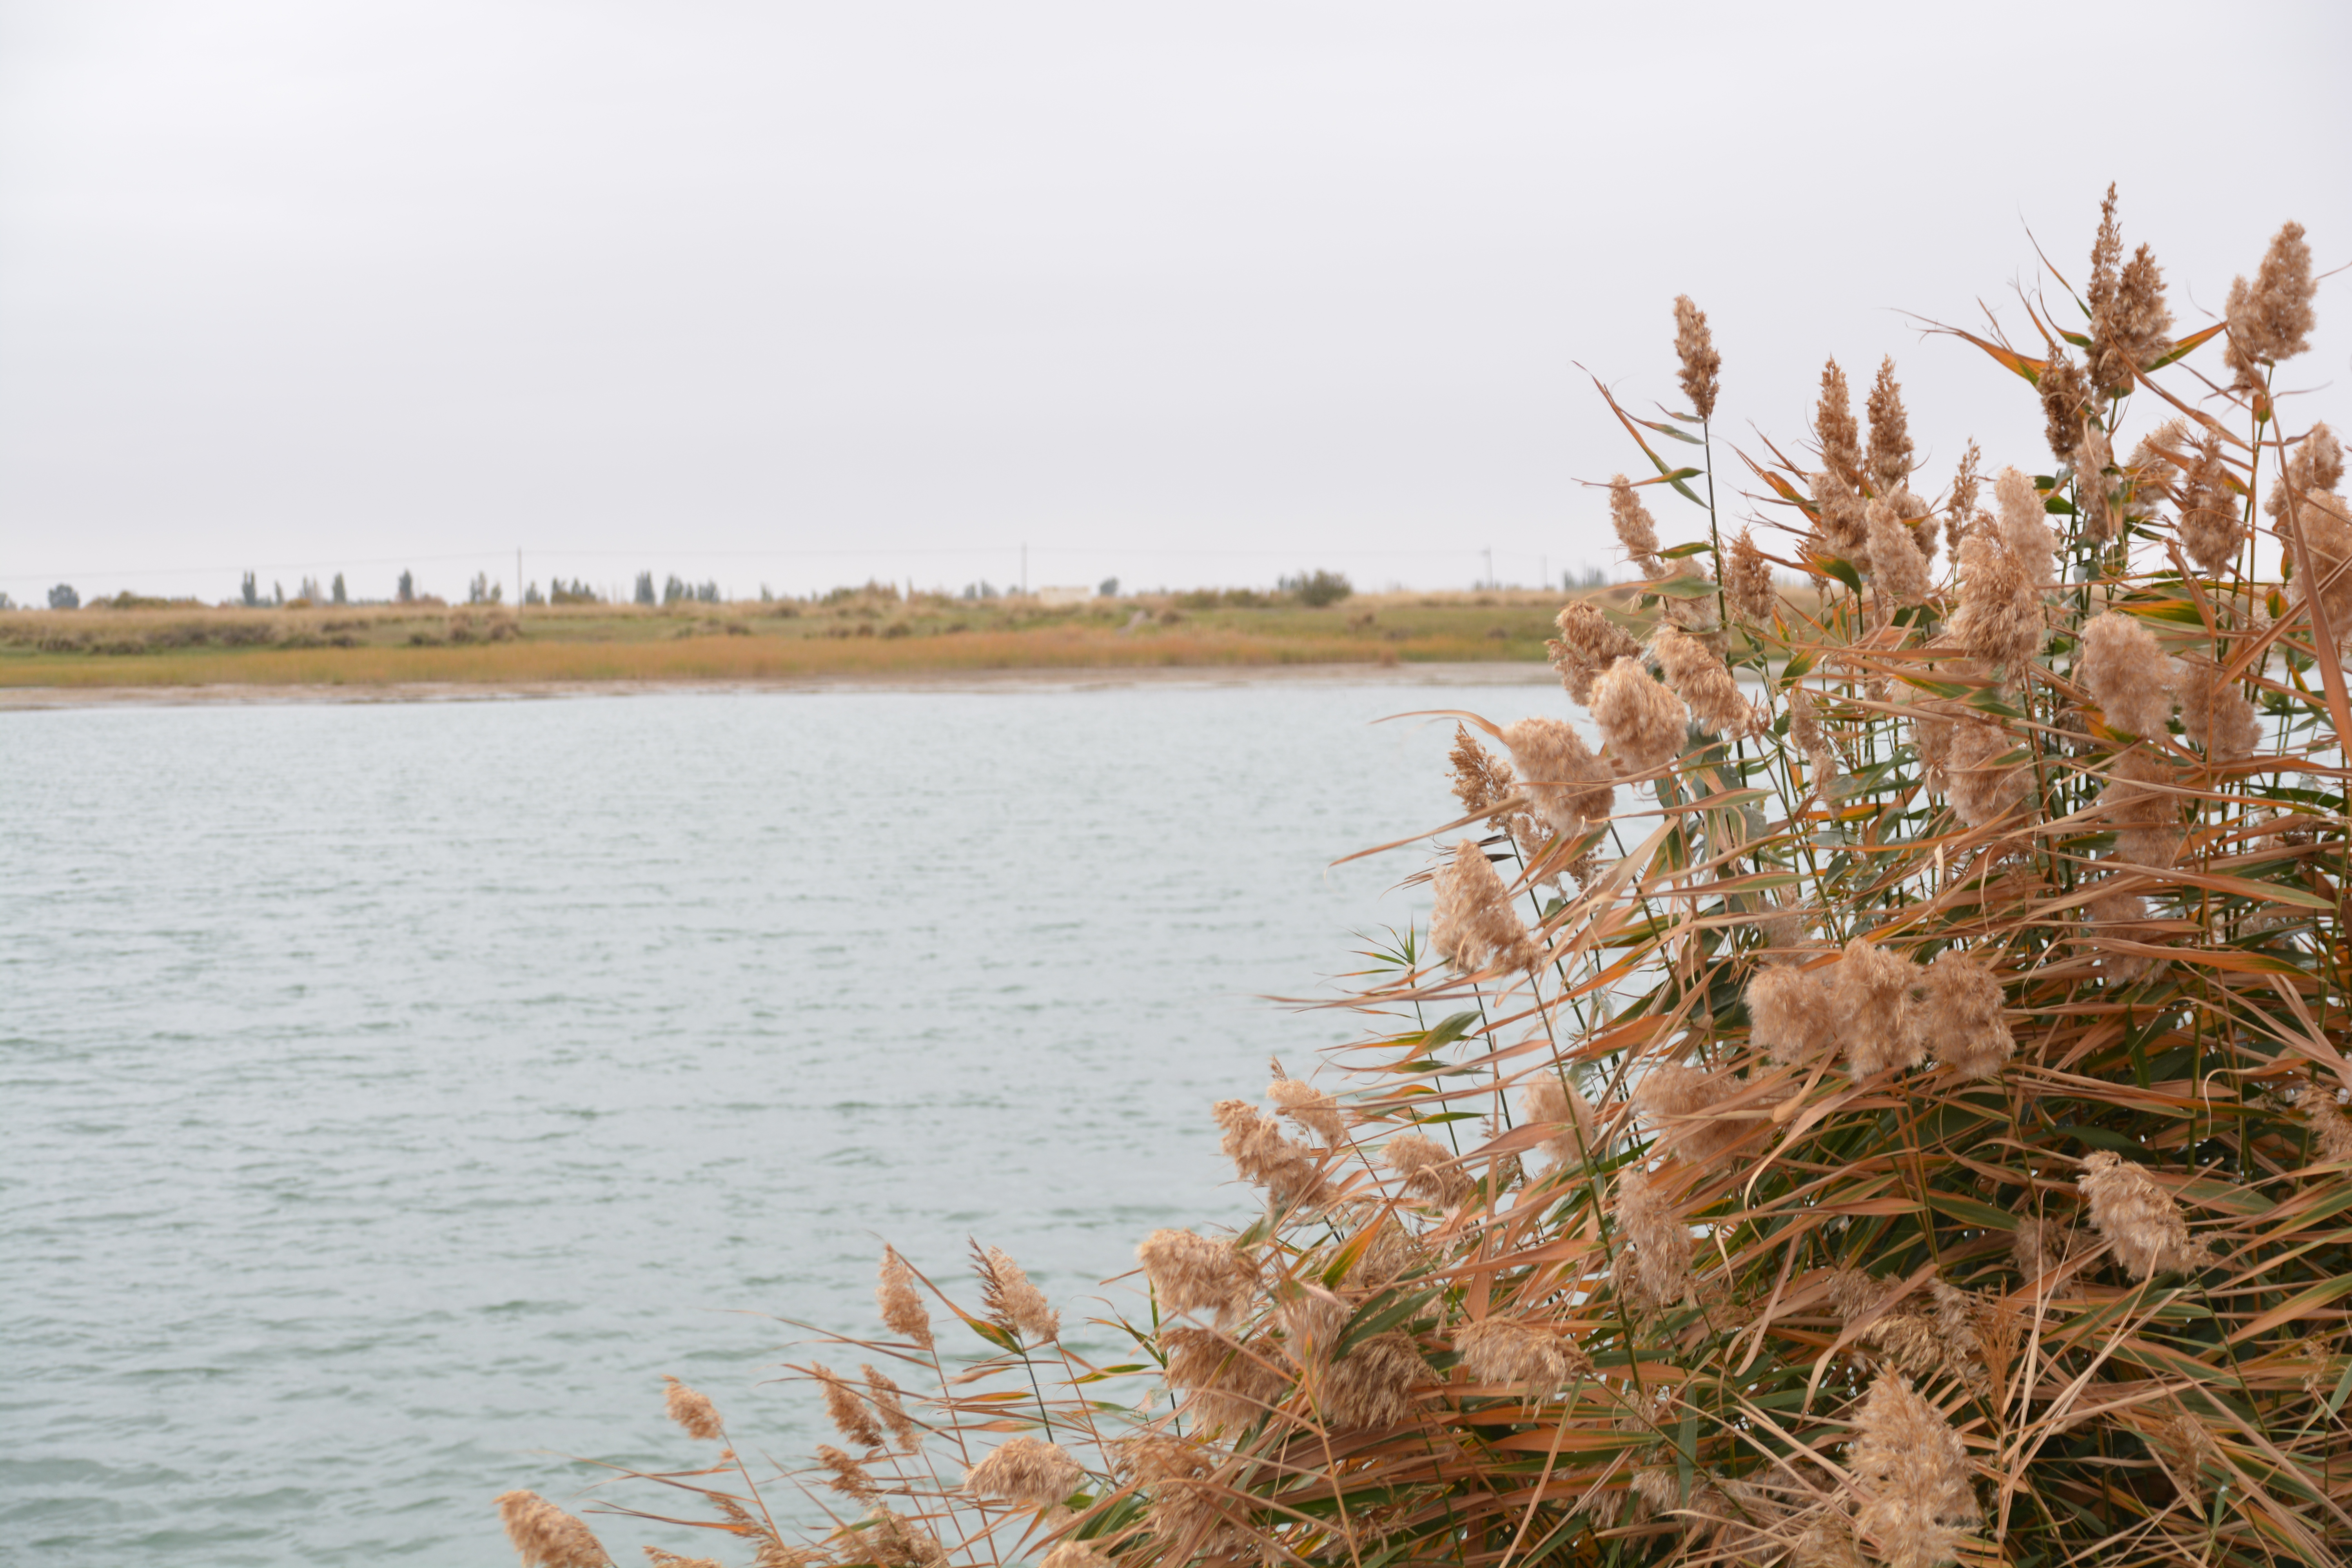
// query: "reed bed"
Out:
[1884,1105]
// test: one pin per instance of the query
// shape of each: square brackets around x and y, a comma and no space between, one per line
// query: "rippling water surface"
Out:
[390,1094]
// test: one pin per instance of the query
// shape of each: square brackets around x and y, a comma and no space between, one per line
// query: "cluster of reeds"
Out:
[1882,1104]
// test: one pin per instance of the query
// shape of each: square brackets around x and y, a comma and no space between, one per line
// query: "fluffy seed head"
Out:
[1896,564]
[893,1409]
[896,1542]
[546,1536]
[2095,486]
[1703,682]
[1372,1387]
[1748,581]
[1982,788]
[1567,785]
[902,1310]
[1637,532]
[1962,505]
[2065,400]
[2025,525]
[1073,1554]
[2214,712]
[1695,346]
[1654,1247]
[1472,920]
[1227,1385]
[1870,999]
[1676,1099]
[1480,778]
[1429,1173]
[2138,1218]
[2127,674]
[2130,322]
[846,1474]
[1519,1356]
[1310,1108]
[2212,525]
[1588,644]
[2331,1129]
[1913,1472]
[1890,432]
[849,1413]
[1289,1171]
[1833,423]
[2146,818]
[1644,721]
[691,1410]
[2271,319]
[1960,1018]
[1025,1472]
[1844,519]
[1792,1017]
[1012,1301]
[1190,1273]
[1550,1102]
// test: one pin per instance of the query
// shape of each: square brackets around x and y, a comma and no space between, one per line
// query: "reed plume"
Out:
[1695,346]
[1637,531]
[1914,1045]
[547,1537]
[692,1411]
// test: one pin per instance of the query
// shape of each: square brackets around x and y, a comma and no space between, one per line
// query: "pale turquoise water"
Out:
[390,1094]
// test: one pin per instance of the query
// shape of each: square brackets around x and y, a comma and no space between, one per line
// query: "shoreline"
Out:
[1499,672]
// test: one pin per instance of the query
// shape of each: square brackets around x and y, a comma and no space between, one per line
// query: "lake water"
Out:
[394,1092]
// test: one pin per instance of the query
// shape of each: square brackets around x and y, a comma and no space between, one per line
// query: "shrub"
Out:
[1883,1103]
[1317,588]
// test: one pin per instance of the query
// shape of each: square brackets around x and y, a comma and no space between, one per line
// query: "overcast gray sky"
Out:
[1186,293]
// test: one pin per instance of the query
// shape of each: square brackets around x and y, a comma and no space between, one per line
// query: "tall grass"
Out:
[1895,1118]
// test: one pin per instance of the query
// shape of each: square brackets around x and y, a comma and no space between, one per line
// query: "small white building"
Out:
[1057,598]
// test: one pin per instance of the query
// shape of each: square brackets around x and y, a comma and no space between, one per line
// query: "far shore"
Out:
[18,699]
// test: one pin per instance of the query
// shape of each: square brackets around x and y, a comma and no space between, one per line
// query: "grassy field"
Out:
[863,634]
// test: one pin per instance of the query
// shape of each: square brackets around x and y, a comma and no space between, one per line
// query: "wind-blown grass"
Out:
[1893,1119]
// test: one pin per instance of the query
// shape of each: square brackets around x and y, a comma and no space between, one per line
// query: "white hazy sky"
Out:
[1186,293]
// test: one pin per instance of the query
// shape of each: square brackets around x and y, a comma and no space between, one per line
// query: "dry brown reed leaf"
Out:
[1567,785]
[1653,1261]
[1190,1273]
[1890,436]
[886,1398]
[1912,1472]
[1289,1171]
[1695,346]
[1960,1019]
[1588,644]
[1026,1472]
[1310,1108]
[1871,1008]
[1429,1173]
[902,1310]
[1473,921]
[547,1537]
[2127,674]
[2139,1219]
[846,1410]
[1637,531]
[1502,1353]
[2270,319]
[692,1411]
[1643,721]
[1702,681]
